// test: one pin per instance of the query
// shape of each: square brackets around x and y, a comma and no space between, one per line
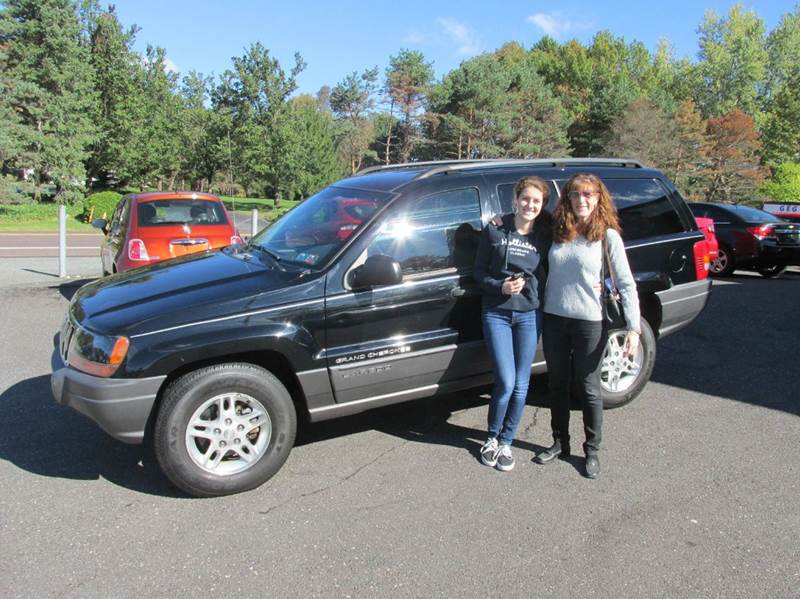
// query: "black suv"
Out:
[361,296]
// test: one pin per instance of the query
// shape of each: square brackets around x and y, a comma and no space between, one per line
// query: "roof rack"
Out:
[413,165]
[552,162]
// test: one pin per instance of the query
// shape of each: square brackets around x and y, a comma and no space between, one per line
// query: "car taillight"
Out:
[762,232]
[702,262]
[137,251]
[236,240]
[711,227]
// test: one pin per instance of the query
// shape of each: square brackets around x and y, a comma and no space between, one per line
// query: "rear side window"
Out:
[178,212]
[644,208]
[439,231]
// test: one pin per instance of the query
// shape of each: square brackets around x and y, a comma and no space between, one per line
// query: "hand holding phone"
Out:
[517,276]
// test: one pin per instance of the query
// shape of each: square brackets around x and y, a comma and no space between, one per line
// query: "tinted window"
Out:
[177,212]
[439,231]
[712,212]
[505,191]
[754,215]
[644,207]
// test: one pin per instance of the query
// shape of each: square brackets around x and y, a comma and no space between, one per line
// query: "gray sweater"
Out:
[575,268]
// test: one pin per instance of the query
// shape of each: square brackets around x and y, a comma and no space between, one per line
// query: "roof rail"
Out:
[412,165]
[553,162]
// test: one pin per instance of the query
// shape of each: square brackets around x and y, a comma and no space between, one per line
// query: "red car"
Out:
[150,227]
[706,225]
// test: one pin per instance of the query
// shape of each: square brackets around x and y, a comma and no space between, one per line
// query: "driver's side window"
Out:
[436,232]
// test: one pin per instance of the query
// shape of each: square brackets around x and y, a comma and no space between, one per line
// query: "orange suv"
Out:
[150,227]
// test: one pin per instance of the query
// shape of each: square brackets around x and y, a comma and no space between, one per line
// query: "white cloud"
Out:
[464,38]
[414,38]
[169,66]
[556,25]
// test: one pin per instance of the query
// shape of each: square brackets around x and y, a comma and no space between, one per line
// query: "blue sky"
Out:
[337,38]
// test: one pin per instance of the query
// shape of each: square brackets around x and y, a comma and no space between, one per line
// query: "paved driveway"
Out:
[698,496]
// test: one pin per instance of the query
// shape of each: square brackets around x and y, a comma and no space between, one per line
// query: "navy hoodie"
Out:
[502,252]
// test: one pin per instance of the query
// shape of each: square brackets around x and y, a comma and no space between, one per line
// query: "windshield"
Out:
[754,215]
[156,213]
[317,228]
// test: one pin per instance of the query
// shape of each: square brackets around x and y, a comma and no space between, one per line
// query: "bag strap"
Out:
[607,264]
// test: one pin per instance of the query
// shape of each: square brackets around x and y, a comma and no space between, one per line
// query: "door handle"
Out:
[458,292]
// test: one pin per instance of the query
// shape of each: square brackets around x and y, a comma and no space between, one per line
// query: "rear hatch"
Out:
[176,227]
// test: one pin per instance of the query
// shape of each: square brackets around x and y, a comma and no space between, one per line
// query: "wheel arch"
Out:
[271,360]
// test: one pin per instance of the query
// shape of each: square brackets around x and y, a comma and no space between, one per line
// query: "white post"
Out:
[62,240]
[254,223]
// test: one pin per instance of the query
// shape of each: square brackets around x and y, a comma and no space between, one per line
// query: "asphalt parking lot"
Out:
[698,496]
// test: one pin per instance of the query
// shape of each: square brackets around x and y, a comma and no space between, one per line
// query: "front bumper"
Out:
[120,407]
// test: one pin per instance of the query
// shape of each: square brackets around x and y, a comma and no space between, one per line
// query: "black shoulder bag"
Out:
[613,315]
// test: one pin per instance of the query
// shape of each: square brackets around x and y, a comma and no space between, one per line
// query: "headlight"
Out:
[99,355]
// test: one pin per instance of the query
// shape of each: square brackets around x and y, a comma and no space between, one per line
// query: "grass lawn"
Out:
[40,217]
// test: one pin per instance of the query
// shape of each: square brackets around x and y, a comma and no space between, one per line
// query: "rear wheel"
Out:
[622,378]
[224,429]
[773,270]
[724,264]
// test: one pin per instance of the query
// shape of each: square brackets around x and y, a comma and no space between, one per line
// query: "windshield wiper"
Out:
[269,253]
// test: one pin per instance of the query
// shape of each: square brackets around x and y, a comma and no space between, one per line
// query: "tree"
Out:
[734,170]
[309,142]
[783,52]
[732,61]
[352,101]
[48,82]
[784,186]
[407,79]
[644,132]
[687,166]
[255,94]
[121,115]
[781,129]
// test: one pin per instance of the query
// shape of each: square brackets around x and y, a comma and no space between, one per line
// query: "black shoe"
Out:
[592,466]
[552,452]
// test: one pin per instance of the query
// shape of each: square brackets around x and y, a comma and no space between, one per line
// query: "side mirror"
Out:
[376,271]
[102,224]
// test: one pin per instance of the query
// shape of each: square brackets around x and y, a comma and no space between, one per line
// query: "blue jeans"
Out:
[511,338]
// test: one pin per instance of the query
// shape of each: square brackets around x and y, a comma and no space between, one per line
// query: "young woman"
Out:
[511,268]
[573,332]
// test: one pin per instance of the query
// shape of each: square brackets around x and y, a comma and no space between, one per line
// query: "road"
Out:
[698,496]
[40,245]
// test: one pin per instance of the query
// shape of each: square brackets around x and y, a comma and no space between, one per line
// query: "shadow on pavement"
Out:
[68,288]
[43,438]
[742,346]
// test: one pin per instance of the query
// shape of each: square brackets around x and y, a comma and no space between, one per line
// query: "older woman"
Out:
[573,331]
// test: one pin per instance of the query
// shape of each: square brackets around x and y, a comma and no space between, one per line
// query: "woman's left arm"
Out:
[624,280]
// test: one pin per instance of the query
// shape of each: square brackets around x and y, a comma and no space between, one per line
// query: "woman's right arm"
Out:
[483,262]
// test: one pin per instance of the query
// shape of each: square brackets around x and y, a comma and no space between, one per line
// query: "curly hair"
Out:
[566,226]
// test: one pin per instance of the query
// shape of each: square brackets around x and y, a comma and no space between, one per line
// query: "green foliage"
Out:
[98,204]
[48,81]
[781,130]
[784,186]
[733,56]
[351,102]
[41,216]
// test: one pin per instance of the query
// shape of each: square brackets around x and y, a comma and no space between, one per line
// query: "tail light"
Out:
[702,262]
[236,240]
[137,251]
[711,227]
[762,232]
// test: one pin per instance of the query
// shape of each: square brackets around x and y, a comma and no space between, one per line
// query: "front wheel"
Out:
[224,429]
[622,378]
[773,270]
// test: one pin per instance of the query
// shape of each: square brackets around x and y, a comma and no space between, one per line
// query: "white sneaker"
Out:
[503,458]
[489,452]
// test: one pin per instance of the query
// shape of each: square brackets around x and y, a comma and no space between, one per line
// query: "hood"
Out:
[199,286]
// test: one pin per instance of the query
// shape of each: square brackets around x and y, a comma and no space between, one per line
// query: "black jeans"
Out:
[574,348]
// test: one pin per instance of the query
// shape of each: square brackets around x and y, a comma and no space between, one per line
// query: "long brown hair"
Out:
[566,225]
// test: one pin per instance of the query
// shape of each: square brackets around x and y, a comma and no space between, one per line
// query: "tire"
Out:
[724,264]
[621,379]
[229,454]
[773,270]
